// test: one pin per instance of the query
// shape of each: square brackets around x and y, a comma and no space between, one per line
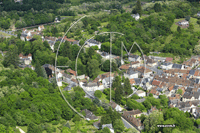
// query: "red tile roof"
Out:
[156,83]
[71,72]
[69,40]
[168,59]
[132,81]
[126,67]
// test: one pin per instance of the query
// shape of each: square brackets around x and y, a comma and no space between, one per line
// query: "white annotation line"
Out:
[62,66]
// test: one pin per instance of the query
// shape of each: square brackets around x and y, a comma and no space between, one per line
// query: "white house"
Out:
[131,74]
[183,23]
[109,126]
[134,58]
[166,65]
[59,83]
[135,64]
[141,93]
[56,20]
[59,74]
[28,38]
[81,76]
[41,27]
[115,106]
[92,42]
[106,81]
[136,16]
[26,59]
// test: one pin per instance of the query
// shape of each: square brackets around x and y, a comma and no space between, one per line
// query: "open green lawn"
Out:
[168,39]
[192,20]
[104,24]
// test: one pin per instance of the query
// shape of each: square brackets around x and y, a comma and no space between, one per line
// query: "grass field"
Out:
[168,39]
[192,20]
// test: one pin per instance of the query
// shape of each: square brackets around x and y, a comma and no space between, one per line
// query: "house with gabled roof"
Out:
[191,96]
[124,67]
[135,64]
[136,16]
[89,115]
[115,106]
[136,122]
[106,81]
[187,106]
[151,62]
[155,92]
[92,42]
[168,59]
[130,73]
[166,65]
[183,23]
[41,28]
[109,126]
[25,59]
[177,66]
[134,58]
[141,93]
[195,112]
[190,63]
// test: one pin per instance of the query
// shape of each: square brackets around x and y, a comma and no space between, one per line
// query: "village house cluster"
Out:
[154,74]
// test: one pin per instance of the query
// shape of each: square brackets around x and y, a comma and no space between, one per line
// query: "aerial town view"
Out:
[99,66]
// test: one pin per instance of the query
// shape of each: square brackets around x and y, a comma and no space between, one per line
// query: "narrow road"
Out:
[21,131]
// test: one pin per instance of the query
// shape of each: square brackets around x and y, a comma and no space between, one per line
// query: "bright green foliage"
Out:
[44,74]
[65,130]
[127,87]
[38,69]
[33,128]
[180,119]
[139,7]
[179,29]
[93,68]
[119,125]
[179,91]
[105,130]
[135,96]
[91,52]
[132,104]
[106,66]
[76,118]
[105,119]
[2,128]
[11,58]
[164,100]
[98,93]
[157,7]
[151,122]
